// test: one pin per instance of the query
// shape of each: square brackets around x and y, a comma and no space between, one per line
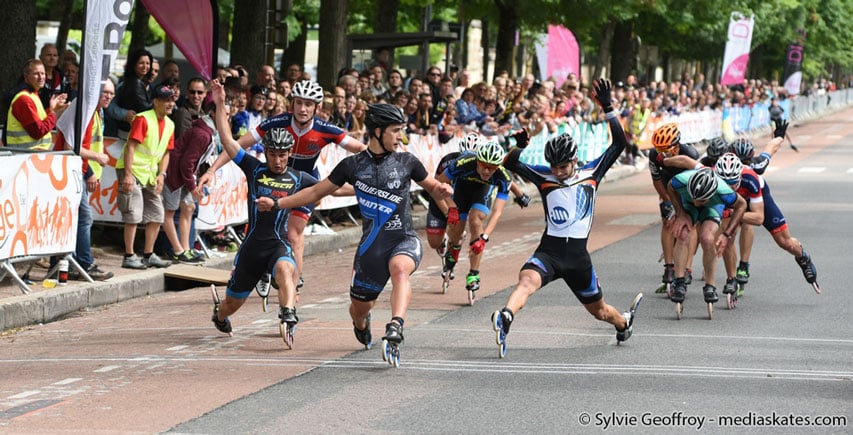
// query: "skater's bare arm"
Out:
[303,197]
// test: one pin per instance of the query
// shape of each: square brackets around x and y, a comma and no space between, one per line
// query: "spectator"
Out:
[395,86]
[180,191]
[284,88]
[191,109]
[358,130]
[294,74]
[265,77]
[141,172]
[467,111]
[171,70]
[54,81]
[70,70]
[28,123]
[94,158]
[132,94]
[425,121]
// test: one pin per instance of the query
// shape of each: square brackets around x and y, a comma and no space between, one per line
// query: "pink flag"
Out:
[737,49]
[189,23]
[563,54]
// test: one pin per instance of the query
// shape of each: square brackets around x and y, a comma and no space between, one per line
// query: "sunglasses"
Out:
[192,92]
[488,166]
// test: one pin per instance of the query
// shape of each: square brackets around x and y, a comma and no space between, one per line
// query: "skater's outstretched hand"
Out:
[523,200]
[602,94]
[781,128]
[522,138]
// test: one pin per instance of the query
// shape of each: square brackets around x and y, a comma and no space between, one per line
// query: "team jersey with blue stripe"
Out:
[307,143]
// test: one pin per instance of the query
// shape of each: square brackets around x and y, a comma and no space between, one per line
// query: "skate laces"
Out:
[471,279]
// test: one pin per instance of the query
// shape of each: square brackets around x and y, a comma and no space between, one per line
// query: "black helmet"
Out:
[278,139]
[382,115]
[702,184]
[743,149]
[560,150]
[717,147]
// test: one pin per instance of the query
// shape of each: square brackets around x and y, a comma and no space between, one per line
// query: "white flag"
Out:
[105,24]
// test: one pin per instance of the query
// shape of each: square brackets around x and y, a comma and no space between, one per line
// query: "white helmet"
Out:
[308,90]
[491,153]
[470,142]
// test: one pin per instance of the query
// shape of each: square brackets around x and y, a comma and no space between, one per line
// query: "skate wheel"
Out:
[679,308]
[502,350]
[471,297]
[816,287]
[636,303]
[731,302]
[386,351]
[444,286]
[286,334]
[669,290]
[265,302]
[710,310]
[395,356]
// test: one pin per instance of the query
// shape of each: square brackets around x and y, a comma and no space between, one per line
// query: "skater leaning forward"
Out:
[265,249]
[568,196]
[389,247]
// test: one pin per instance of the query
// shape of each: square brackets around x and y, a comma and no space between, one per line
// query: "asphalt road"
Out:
[782,356]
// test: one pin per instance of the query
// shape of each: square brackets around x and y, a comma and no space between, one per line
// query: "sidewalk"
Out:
[44,305]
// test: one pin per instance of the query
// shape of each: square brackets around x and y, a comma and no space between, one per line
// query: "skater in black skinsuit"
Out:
[389,247]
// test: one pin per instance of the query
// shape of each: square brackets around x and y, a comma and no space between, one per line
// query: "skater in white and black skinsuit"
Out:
[389,247]
[568,197]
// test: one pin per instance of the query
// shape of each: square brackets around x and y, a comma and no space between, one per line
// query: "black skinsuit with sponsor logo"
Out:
[266,241]
[382,188]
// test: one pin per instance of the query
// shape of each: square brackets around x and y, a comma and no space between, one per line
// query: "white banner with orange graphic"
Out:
[224,205]
[39,201]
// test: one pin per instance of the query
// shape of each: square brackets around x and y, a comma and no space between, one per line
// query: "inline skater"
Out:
[389,247]
[266,248]
[716,148]
[472,177]
[568,198]
[310,135]
[667,143]
[745,151]
[754,187]
[698,197]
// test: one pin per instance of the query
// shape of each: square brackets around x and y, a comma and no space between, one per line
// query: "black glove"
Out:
[602,94]
[781,128]
[523,200]
[522,138]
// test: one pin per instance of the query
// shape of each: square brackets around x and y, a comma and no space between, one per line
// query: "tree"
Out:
[333,41]
[18,33]
[508,20]
[249,36]
[139,27]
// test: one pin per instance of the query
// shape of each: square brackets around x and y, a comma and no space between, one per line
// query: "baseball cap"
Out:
[162,93]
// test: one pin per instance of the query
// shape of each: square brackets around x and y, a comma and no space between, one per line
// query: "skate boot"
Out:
[447,269]
[363,335]
[666,279]
[809,269]
[263,289]
[221,325]
[288,315]
[287,327]
[688,276]
[679,290]
[472,284]
[742,273]
[710,293]
[501,321]
[393,332]
[629,320]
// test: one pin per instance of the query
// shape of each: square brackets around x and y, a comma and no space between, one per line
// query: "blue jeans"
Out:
[83,252]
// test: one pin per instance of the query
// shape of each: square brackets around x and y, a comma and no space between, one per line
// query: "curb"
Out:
[43,307]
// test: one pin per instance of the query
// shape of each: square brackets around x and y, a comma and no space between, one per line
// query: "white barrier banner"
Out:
[39,201]
[224,205]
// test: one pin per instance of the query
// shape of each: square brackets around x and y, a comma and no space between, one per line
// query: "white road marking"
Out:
[811,169]
[177,348]
[68,381]
[24,395]
[106,369]
[850,171]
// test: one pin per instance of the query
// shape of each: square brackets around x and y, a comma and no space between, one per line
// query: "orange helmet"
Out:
[666,137]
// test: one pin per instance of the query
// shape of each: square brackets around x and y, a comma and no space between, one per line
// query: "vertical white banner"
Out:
[737,49]
[105,24]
